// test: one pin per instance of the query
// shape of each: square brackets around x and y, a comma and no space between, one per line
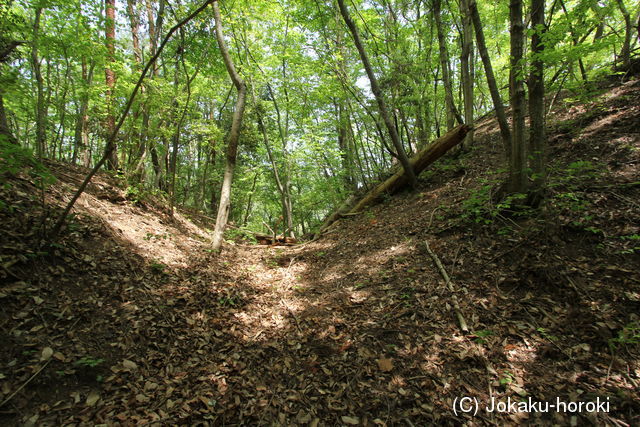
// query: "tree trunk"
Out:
[345,148]
[625,52]
[419,162]
[397,181]
[452,111]
[518,158]
[505,132]
[401,154]
[286,208]
[4,127]
[155,26]
[466,66]
[576,41]
[175,139]
[247,212]
[41,106]
[82,121]
[140,151]
[110,79]
[234,135]
[537,137]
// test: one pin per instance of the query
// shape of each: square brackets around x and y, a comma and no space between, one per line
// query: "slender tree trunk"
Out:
[60,136]
[234,135]
[518,159]
[140,150]
[576,41]
[247,212]
[4,126]
[179,123]
[466,65]
[505,132]
[82,120]
[452,111]
[625,52]
[346,157]
[377,92]
[41,105]
[537,137]
[175,139]
[5,131]
[110,78]
[155,26]
[276,175]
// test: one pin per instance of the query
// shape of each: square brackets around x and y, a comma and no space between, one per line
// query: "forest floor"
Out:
[131,319]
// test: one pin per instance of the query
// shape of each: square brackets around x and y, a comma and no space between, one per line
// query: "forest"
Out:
[319,212]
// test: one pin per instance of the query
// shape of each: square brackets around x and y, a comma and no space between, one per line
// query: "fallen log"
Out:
[419,162]
[266,239]
[398,180]
[336,215]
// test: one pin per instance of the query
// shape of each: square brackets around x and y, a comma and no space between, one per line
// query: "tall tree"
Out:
[81,139]
[537,137]
[224,203]
[518,153]
[377,92]
[4,127]
[466,67]
[625,52]
[452,111]
[110,79]
[41,104]
[140,151]
[505,132]
[7,45]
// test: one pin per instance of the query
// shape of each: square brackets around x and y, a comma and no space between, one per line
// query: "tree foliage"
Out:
[324,136]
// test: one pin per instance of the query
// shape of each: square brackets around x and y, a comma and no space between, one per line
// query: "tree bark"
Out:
[452,111]
[110,79]
[466,65]
[234,135]
[140,151]
[419,162]
[375,88]
[41,106]
[276,175]
[625,52]
[537,137]
[505,132]
[81,144]
[4,127]
[518,158]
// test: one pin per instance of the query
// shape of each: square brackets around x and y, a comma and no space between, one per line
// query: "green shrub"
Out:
[15,159]
[240,234]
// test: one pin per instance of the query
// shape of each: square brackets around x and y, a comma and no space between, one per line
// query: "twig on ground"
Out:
[4,402]
[431,217]
[454,297]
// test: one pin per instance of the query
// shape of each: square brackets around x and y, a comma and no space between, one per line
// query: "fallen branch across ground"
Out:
[454,297]
[398,180]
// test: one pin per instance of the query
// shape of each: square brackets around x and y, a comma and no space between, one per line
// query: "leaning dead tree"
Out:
[399,179]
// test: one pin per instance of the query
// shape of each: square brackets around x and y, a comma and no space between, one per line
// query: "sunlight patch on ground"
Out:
[600,124]
[157,242]
[369,263]
[520,353]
